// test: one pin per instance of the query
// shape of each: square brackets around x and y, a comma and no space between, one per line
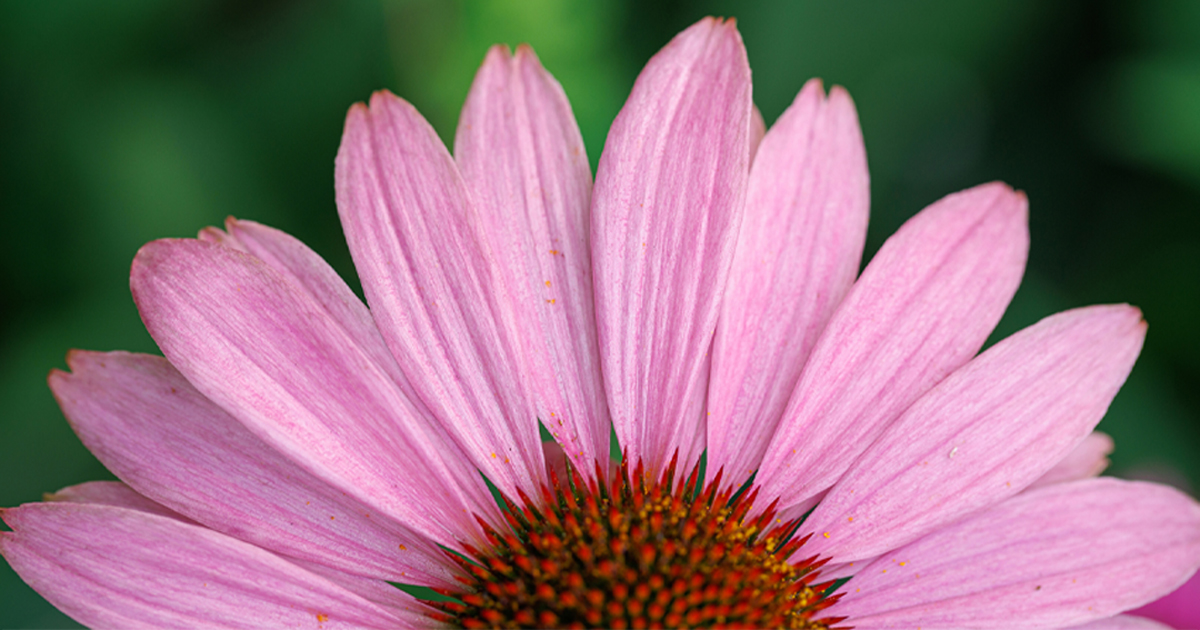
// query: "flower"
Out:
[295,452]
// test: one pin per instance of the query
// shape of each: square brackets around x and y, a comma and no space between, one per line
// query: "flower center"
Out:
[636,553]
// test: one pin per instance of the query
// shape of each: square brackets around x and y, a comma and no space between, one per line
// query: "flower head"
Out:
[784,424]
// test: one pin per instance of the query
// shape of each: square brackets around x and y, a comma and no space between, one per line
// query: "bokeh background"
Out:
[122,121]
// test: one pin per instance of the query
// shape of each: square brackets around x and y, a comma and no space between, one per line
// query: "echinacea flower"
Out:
[295,452]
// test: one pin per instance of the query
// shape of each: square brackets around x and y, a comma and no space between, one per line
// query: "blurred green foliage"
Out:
[129,120]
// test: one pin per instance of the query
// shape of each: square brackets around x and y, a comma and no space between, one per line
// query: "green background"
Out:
[122,121]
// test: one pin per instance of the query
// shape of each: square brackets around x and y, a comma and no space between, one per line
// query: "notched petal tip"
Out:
[56,378]
[1126,319]
[76,361]
[706,28]
[718,21]
[1141,317]
[1004,201]
[385,100]
[365,121]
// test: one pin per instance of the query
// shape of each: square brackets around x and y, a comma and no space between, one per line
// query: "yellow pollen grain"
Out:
[903,563]
[554,252]
[493,456]
[403,548]
[849,519]
[550,301]
[547,283]
[322,617]
[826,534]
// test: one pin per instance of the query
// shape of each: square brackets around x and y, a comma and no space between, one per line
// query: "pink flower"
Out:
[296,452]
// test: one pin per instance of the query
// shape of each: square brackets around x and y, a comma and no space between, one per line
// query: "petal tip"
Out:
[526,56]
[501,51]
[210,234]
[708,26]
[815,84]
[1011,203]
[839,96]
[55,377]
[75,357]
[1141,317]
[357,111]
[1129,318]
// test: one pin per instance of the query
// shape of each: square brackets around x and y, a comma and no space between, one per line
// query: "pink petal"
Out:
[922,308]
[117,494]
[112,493]
[114,567]
[523,160]
[427,274]
[1056,557]
[666,211]
[269,354]
[301,265]
[149,426]
[373,590]
[797,254]
[1180,608]
[1088,459]
[983,434]
[1122,622]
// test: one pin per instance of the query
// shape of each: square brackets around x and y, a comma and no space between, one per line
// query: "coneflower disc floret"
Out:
[638,552]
